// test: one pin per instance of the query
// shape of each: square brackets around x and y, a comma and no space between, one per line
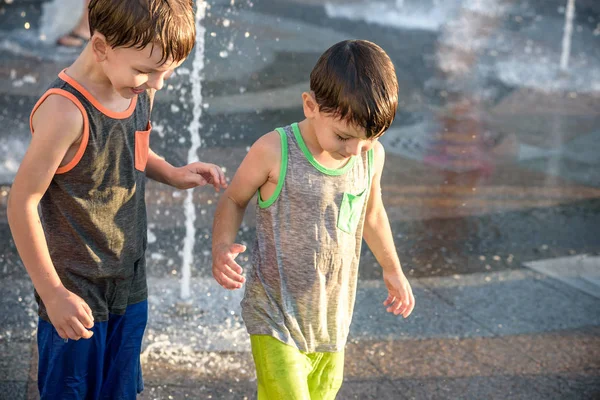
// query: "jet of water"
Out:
[567,35]
[194,129]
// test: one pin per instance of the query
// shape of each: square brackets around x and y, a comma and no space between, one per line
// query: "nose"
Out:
[157,83]
[355,148]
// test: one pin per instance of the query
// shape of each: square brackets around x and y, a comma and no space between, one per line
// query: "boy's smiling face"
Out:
[131,70]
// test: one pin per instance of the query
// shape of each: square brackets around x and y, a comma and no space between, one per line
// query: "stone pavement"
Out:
[491,186]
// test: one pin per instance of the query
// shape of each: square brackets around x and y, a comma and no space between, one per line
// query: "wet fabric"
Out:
[94,211]
[301,286]
[106,366]
[286,373]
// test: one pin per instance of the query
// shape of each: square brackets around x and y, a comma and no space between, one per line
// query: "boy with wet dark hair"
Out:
[86,169]
[319,194]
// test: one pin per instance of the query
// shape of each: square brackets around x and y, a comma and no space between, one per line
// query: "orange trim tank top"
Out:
[94,210]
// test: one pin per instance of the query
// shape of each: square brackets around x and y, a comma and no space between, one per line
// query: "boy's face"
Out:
[131,71]
[337,137]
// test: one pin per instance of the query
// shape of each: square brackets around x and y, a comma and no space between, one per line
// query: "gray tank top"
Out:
[94,212]
[302,283]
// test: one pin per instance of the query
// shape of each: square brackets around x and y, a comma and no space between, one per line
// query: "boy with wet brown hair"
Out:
[319,194]
[86,169]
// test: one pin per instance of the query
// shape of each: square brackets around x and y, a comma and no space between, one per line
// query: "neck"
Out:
[310,138]
[88,73]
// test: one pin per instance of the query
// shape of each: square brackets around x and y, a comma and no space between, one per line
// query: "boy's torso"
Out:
[93,211]
[302,284]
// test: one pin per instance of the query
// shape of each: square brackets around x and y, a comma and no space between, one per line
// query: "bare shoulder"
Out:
[269,143]
[378,156]
[59,116]
[378,150]
[267,148]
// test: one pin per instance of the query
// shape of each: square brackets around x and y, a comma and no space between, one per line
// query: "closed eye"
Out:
[343,139]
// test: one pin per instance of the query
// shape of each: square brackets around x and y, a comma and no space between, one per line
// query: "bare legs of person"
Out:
[80,34]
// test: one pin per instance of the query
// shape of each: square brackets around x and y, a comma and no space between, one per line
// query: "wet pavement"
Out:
[491,185]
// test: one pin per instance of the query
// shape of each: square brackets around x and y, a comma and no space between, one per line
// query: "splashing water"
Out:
[429,15]
[568,33]
[194,129]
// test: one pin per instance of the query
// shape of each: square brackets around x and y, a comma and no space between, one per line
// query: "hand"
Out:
[225,270]
[70,315]
[400,297]
[198,174]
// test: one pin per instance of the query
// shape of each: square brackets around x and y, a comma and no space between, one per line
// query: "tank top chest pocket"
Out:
[350,211]
[142,148]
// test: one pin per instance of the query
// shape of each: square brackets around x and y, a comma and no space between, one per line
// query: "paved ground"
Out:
[491,185]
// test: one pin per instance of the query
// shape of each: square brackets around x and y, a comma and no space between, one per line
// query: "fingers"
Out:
[229,274]
[88,310]
[86,319]
[237,249]
[79,329]
[223,179]
[70,333]
[389,300]
[199,180]
[227,281]
[410,304]
[61,332]
[226,271]
[400,305]
[216,177]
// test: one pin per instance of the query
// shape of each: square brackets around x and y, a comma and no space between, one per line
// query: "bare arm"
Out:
[53,137]
[158,169]
[260,162]
[186,177]
[378,235]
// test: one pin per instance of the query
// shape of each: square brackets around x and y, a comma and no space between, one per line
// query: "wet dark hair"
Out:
[355,81]
[168,24]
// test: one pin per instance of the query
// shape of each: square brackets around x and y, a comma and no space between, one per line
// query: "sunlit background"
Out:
[492,185]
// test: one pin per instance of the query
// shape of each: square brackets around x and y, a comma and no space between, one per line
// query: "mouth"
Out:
[137,91]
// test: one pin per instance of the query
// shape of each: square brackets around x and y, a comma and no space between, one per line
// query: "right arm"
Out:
[52,139]
[260,165]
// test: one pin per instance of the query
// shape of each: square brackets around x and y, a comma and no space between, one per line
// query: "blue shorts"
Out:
[106,366]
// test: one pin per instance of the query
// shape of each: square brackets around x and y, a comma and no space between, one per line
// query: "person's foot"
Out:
[73,39]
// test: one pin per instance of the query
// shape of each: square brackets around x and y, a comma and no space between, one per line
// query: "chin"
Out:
[339,156]
[127,93]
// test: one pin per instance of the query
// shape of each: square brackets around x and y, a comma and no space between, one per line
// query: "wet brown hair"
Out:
[355,81]
[168,24]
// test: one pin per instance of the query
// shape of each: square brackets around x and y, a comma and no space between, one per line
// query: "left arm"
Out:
[379,238]
[189,176]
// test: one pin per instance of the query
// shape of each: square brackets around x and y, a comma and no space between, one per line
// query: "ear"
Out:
[311,108]
[99,46]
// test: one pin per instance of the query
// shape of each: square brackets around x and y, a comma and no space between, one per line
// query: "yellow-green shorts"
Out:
[286,373]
